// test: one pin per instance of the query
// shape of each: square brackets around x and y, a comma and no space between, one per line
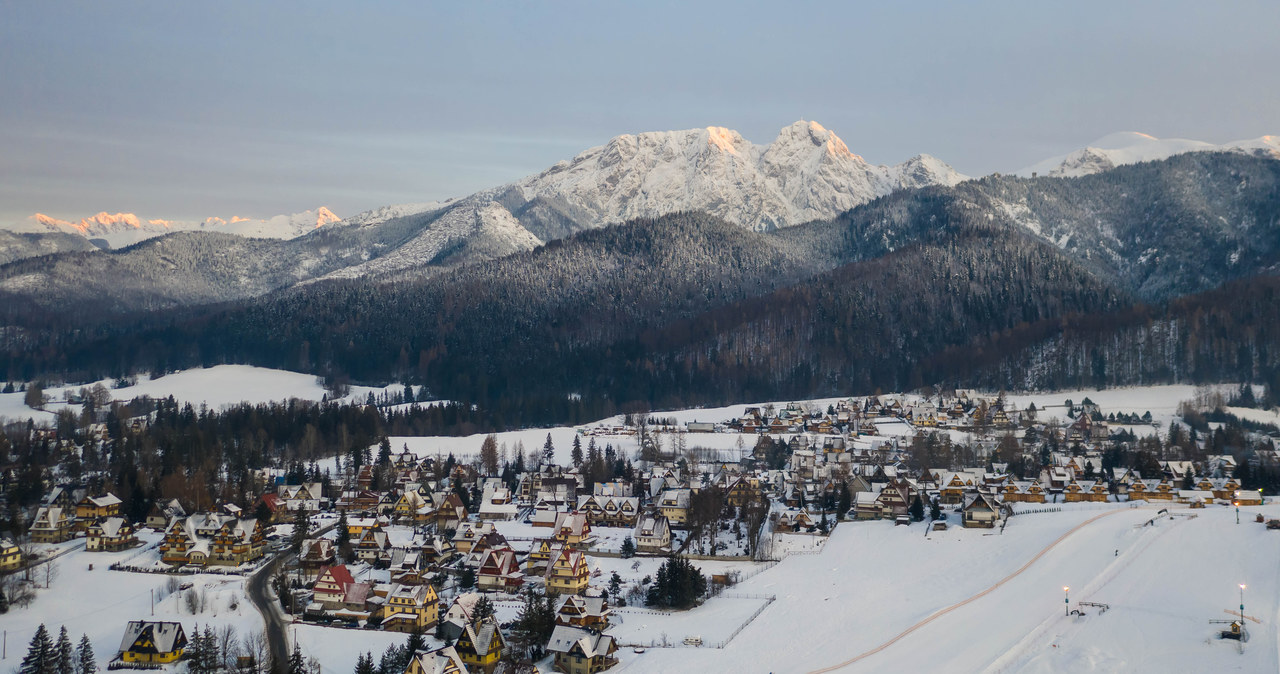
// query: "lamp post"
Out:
[1237,512]
[1241,604]
[1066,601]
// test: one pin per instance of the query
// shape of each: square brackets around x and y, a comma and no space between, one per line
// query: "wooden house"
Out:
[568,573]
[440,661]
[330,589]
[152,643]
[652,534]
[481,645]
[51,525]
[315,554]
[980,511]
[10,555]
[411,607]
[581,651]
[499,571]
[571,528]
[674,505]
[586,612]
[92,508]
[110,534]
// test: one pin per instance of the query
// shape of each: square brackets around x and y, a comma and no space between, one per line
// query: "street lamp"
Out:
[1237,512]
[1242,604]
[1066,601]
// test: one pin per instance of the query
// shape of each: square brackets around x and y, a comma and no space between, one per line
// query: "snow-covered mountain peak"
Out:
[123,229]
[806,173]
[1131,147]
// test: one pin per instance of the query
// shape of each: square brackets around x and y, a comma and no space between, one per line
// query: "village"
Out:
[559,558]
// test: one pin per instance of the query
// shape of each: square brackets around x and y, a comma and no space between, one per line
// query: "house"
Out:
[90,508]
[497,502]
[572,528]
[374,546]
[330,589]
[1023,491]
[653,534]
[10,555]
[152,643]
[580,651]
[469,533]
[980,511]
[481,645]
[212,539]
[437,550]
[411,607]
[110,534]
[162,513]
[440,661]
[51,525]
[674,505]
[568,573]
[540,556]
[794,520]
[1085,491]
[586,612]
[315,554]
[499,571]
[609,511]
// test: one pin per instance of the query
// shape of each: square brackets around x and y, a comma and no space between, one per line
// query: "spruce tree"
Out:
[65,653]
[41,657]
[86,662]
[296,664]
[364,664]
[576,454]
[628,548]
[548,451]
[301,528]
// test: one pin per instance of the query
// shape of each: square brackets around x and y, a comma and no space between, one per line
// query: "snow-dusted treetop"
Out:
[1131,147]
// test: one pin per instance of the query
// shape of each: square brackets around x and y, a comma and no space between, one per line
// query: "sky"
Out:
[192,110]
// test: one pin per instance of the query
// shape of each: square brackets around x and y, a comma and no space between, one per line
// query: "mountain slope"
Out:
[806,173]
[1131,147]
[117,230]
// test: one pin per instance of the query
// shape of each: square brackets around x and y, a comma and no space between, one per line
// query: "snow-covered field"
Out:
[874,582]
[215,387]
[98,602]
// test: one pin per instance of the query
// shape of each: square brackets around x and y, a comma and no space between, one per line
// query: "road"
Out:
[262,599]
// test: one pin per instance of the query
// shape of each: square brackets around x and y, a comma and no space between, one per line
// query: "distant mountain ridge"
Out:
[1131,147]
[117,230]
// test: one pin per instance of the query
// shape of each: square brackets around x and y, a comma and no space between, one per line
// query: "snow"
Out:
[215,387]
[99,602]
[126,229]
[1130,147]
[1271,416]
[1161,401]
[874,581]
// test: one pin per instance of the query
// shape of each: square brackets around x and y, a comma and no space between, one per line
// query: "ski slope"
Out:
[874,581]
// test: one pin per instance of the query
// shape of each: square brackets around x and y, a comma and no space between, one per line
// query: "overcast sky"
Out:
[184,110]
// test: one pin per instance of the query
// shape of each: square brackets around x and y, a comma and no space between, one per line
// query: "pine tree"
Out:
[917,509]
[548,451]
[576,453]
[301,528]
[86,662]
[296,664]
[65,653]
[483,609]
[41,656]
[343,539]
[364,664]
[417,642]
[628,548]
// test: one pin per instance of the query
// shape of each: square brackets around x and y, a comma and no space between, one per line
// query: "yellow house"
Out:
[10,555]
[572,528]
[52,525]
[568,574]
[411,607]
[152,642]
[580,651]
[480,646]
[440,661]
[92,508]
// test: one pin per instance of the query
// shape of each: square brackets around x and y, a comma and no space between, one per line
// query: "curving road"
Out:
[949,609]
[262,599]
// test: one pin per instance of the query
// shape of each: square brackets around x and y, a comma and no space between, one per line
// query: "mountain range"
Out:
[694,267]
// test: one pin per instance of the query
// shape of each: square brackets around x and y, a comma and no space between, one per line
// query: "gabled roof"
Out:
[164,636]
[564,638]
